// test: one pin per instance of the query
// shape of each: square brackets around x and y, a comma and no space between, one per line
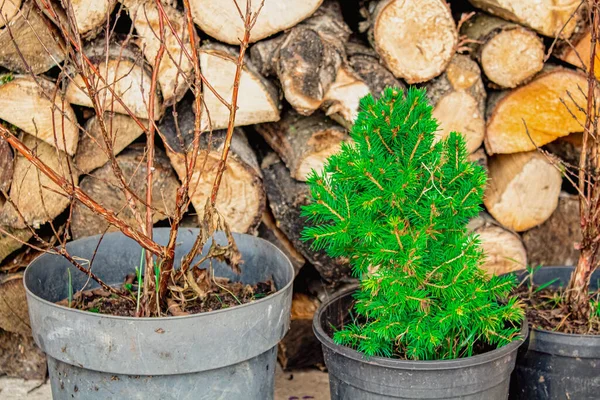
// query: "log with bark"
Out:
[548,17]
[92,151]
[14,316]
[300,348]
[12,239]
[6,166]
[38,199]
[548,107]
[20,357]
[28,43]
[458,99]
[508,53]
[286,197]
[174,72]
[241,198]
[269,230]
[360,75]
[8,9]
[415,39]
[258,99]
[523,189]
[82,16]
[32,105]
[126,74]
[221,19]
[306,60]
[104,186]
[303,143]
[504,250]
[553,242]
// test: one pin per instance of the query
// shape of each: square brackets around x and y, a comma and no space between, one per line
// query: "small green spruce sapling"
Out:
[397,204]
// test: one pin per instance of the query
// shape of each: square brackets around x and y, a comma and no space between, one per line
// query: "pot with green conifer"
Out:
[426,322]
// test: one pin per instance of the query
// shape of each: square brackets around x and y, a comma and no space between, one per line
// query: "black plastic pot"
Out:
[353,377]
[224,354]
[553,366]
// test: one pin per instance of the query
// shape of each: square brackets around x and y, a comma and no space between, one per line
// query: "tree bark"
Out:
[286,197]
[269,230]
[303,143]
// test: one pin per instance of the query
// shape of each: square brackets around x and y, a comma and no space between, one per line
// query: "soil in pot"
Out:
[206,293]
[353,376]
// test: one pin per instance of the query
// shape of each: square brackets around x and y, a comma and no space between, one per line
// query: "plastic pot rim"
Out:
[125,318]
[393,363]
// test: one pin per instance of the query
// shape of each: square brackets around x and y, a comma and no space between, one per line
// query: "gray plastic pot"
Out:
[353,377]
[552,365]
[224,354]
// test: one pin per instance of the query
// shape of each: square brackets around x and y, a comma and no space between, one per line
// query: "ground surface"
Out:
[297,385]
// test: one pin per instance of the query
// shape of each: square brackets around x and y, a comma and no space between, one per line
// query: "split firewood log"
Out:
[92,151]
[553,242]
[12,239]
[174,72]
[269,230]
[89,16]
[221,19]
[550,106]
[28,43]
[125,73]
[286,197]
[6,165]
[258,99]
[548,17]
[576,50]
[307,58]
[103,185]
[38,199]
[300,348]
[28,104]
[8,9]
[523,189]
[458,100]
[303,143]
[503,249]
[415,39]
[241,198]
[342,101]
[508,53]
[13,305]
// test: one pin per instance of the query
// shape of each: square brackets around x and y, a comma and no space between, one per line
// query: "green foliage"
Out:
[6,78]
[396,204]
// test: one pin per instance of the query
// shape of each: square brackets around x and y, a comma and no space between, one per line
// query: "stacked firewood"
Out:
[505,73]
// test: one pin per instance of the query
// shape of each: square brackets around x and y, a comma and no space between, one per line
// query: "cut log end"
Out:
[512,57]
[397,23]
[8,9]
[522,190]
[537,113]
[13,305]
